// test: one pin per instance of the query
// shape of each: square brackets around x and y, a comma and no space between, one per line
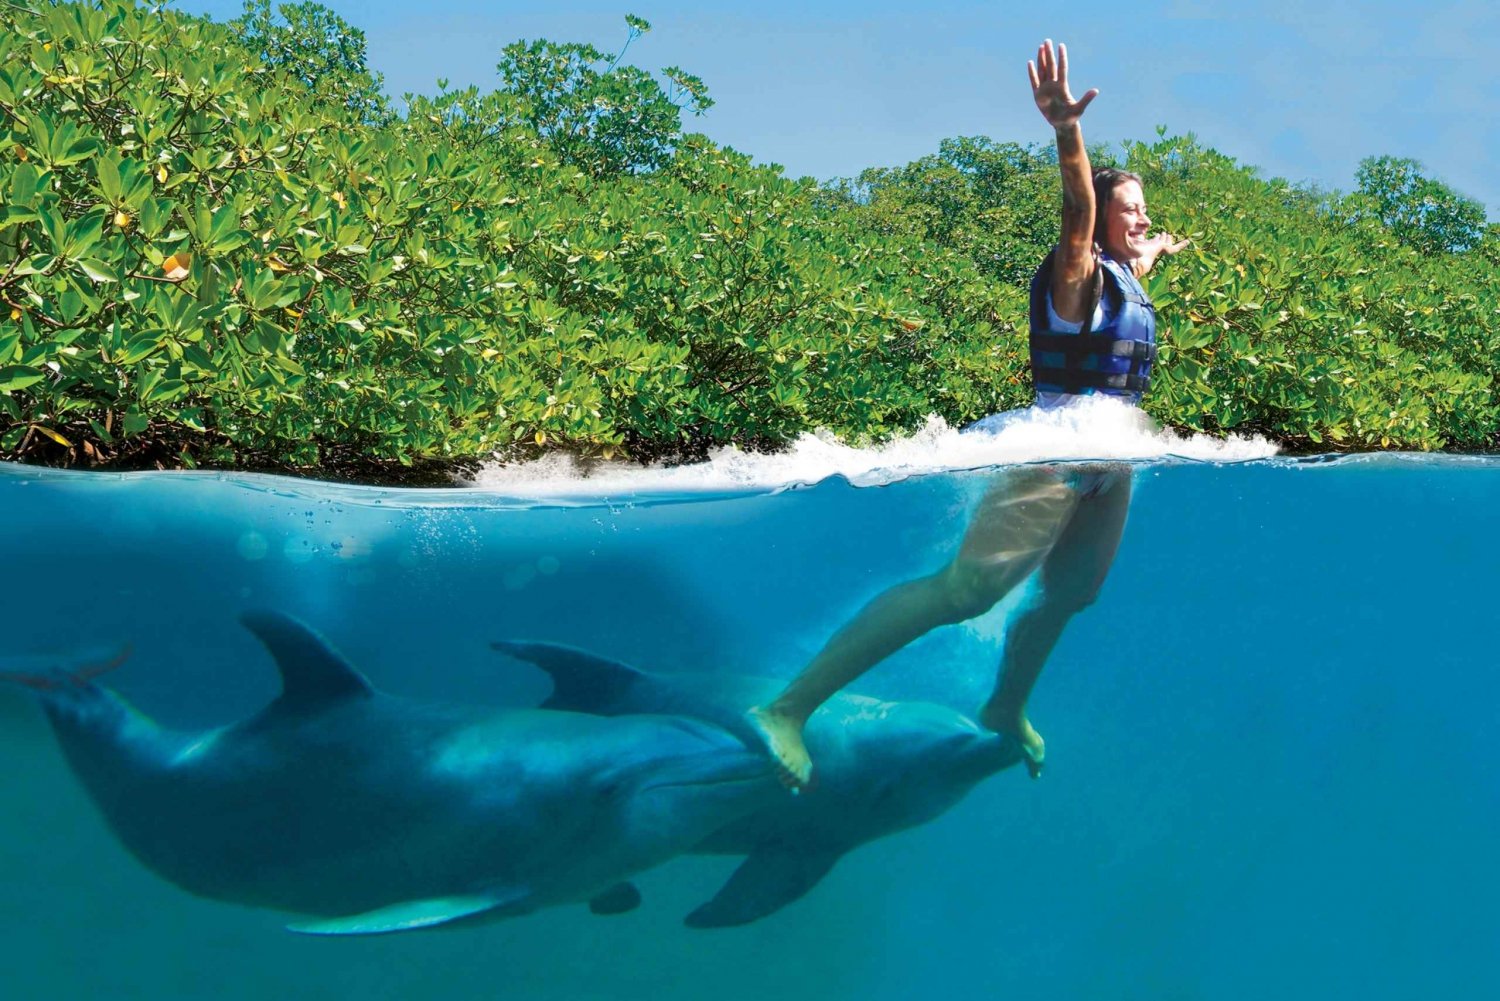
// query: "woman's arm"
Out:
[1073,265]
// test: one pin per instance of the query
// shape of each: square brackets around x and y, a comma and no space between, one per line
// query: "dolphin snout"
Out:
[992,752]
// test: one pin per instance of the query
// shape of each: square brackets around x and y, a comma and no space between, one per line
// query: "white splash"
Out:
[1092,428]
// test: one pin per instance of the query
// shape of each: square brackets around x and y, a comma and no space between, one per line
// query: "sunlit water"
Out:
[1272,742]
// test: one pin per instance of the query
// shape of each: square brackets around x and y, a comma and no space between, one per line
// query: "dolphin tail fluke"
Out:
[408,915]
[581,682]
[106,740]
[312,673]
[60,679]
[72,700]
[763,884]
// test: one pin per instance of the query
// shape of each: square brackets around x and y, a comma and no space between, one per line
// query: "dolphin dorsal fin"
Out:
[312,672]
[581,682]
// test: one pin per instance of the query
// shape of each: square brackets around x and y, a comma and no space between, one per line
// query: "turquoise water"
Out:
[1272,743]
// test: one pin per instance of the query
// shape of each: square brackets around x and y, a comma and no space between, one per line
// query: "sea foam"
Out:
[1092,428]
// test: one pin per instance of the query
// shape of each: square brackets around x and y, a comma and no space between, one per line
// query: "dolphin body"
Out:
[381,814]
[881,767]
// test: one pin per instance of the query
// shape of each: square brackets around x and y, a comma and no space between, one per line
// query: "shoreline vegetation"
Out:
[222,246]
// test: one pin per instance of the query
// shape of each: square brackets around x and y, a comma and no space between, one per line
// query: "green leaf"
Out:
[165,390]
[220,232]
[191,417]
[70,303]
[107,169]
[37,265]
[56,228]
[14,377]
[84,234]
[14,215]
[154,214]
[97,270]
[78,151]
[25,182]
[146,383]
[139,347]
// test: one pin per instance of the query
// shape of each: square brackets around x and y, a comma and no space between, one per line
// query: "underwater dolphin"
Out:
[882,767]
[381,814]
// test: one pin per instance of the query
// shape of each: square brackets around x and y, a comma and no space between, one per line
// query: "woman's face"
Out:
[1126,222]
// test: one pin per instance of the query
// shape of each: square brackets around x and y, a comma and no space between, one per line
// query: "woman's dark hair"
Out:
[1106,179]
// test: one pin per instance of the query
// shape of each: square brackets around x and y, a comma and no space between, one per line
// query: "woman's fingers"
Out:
[1049,84]
[1168,244]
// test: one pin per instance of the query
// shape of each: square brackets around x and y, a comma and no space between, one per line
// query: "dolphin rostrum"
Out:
[882,767]
[376,814]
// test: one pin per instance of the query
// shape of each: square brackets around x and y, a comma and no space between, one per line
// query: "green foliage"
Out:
[1422,212]
[212,252]
[994,202]
[1293,316]
[595,113]
[319,48]
[204,260]
[197,252]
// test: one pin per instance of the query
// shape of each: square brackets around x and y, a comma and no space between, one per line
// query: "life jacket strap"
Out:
[1074,381]
[1073,345]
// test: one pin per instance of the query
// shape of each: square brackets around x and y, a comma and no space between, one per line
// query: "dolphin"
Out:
[882,767]
[374,814]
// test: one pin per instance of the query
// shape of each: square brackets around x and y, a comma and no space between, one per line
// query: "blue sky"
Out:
[825,87]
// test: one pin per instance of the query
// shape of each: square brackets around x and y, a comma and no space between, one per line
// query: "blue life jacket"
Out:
[1115,360]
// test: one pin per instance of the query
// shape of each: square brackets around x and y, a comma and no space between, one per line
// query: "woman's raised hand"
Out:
[1049,85]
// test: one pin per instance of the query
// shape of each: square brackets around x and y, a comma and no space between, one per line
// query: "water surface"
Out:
[1272,742]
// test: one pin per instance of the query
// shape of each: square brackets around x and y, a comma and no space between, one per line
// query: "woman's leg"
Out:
[1072,574]
[1009,535]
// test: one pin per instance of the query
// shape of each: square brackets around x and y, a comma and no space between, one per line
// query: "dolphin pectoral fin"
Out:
[763,884]
[581,682]
[618,899]
[406,916]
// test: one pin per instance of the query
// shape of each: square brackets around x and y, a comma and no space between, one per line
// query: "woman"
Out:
[1092,332]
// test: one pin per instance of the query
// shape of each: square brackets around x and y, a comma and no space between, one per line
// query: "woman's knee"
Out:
[1072,592]
[968,591]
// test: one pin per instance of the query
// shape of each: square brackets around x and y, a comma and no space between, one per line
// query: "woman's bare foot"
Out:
[1034,747]
[1021,729]
[783,738]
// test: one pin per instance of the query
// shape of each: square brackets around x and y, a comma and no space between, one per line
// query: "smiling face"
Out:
[1125,221]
